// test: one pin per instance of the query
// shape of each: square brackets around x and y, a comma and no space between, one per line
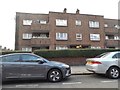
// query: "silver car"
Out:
[106,63]
[31,66]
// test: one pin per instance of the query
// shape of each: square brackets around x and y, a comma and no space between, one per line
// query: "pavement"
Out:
[80,70]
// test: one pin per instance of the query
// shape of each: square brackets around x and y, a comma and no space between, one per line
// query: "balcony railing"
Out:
[111,31]
[40,41]
[112,42]
[37,26]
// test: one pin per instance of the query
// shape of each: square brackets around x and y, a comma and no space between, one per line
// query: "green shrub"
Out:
[8,52]
[66,53]
[72,53]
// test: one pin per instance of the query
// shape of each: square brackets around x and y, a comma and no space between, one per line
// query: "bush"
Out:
[72,53]
[8,52]
[87,53]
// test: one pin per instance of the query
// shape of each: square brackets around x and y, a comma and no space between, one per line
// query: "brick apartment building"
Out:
[62,30]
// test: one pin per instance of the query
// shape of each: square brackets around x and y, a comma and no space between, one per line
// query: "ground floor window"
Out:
[27,49]
[61,47]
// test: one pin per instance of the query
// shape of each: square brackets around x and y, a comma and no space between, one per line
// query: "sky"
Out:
[8,9]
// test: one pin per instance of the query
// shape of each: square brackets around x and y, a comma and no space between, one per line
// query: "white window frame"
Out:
[116,38]
[117,26]
[94,24]
[61,22]
[43,22]
[27,22]
[61,36]
[95,37]
[95,47]
[27,36]
[78,22]
[105,25]
[61,47]
[26,49]
[78,36]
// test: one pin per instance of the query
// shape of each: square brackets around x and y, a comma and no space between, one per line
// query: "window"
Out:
[93,24]
[78,22]
[116,55]
[11,58]
[61,36]
[27,49]
[60,22]
[105,25]
[116,38]
[43,22]
[27,22]
[78,36]
[95,37]
[61,47]
[27,36]
[94,47]
[117,26]
[29,58]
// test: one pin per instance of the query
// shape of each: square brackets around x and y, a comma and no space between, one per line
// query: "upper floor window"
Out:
[117,26]
[27,36]
[61,36]
[105,25]
[61,22]
[41,21]
[93,24]
[78,36]
[27,22]
[95,37]
[78,22]
[116,37]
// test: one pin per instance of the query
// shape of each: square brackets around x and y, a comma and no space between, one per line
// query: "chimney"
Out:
[77,11]
[65,10]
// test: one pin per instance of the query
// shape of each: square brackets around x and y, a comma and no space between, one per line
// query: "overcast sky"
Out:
[8,9]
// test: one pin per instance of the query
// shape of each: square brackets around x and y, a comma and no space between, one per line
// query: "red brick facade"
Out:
[62,30]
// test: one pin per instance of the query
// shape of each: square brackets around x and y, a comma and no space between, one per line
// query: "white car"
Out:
[106,63]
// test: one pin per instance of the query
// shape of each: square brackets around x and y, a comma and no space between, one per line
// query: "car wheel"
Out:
[54,75]
[113,72]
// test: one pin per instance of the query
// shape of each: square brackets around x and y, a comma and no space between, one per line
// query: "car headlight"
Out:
[65,65]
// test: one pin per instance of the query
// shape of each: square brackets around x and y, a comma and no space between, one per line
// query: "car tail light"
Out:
[93,62]
[96,62]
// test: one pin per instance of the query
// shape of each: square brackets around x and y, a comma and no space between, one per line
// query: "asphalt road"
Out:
[75,81]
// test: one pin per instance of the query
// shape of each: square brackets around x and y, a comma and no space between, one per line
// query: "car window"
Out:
[102,55]
[116,55]
[11,58]
[29,58]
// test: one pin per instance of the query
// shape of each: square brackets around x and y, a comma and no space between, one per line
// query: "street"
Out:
[75,81]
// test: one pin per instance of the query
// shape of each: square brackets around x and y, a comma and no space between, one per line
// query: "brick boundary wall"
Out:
[73,61]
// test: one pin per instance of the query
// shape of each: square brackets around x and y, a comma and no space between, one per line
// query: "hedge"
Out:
[9,52]
[72,53]
[67,53]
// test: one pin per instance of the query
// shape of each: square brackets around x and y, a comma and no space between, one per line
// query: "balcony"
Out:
[112,42]
[111,31]
[40,41]
[35,27]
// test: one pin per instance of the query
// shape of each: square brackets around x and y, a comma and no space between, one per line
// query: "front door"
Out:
[31,68]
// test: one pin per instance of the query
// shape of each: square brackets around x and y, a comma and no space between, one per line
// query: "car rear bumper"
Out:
[96,68]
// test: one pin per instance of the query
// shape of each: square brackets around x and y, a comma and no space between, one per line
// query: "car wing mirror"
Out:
[41,61]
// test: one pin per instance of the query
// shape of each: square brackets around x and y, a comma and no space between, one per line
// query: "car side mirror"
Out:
[41,62]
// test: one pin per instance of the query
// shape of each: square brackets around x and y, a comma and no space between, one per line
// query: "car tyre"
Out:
[113,73]
[55,75]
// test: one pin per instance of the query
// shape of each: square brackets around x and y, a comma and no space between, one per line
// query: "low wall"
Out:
[70,60]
